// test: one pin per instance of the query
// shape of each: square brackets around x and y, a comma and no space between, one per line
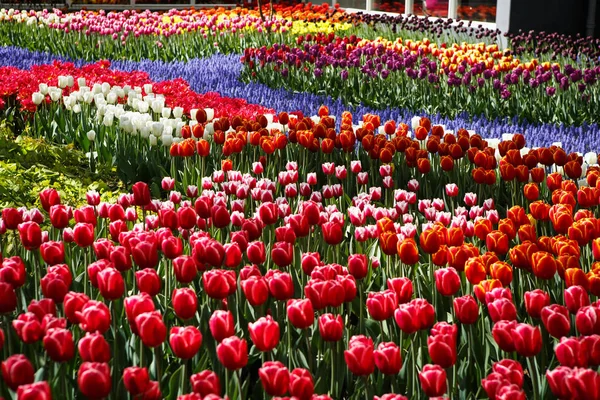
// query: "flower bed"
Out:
[274,270]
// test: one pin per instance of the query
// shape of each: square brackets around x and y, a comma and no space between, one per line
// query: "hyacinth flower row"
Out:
[315,280]
[221,74]
[473,78]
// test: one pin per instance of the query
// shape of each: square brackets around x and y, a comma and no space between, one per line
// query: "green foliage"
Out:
[28,166]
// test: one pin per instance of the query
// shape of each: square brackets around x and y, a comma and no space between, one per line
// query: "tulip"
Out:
[587,320]
[94,379]
[300,313]
[275,378]
[381,305]
[403,288]
[219,284]
[93,347]
[256,290]
[28,327]
[575,298]
[535,301]
[59,344]
[221,325]
[16,371]
[331,328]
[282,254]
[111,284]
[185,342]
[141,194]
[503,335]
[433,380]
[502,309]
[35,391]
[359,356]
[205,383]
[556,320]
[358,265]
[53,252]
[148,281]
[264,333]
[136,380]
[151,328]
[30,234]
[527,340]
[388,358]
[281,285]
[233,353]
[185,303]
[571,352]
[466,309]
[94,316]
[185,269]
[447,281]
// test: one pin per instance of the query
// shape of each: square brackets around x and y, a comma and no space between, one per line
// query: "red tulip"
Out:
[268,213]
[219,284]
[16,371]
[502,309]
[233,353]
[359,356]
[256,290]
[256,252]
[83,234]
[358,265]
[433,380]
[502,333]
[264,333]
[233,255]
[151,328]
[300,313]
[282,254]
[301,384]
[54,286]
[275,378]
[535,301]
[28,327]
[74,302]
[220,216]
[185,269]
[141,194]
[136,380]
[49,197]
[205,383]
[403,288]
[442,344]
[281,285]
[331,327]
[381,305]
[12,271]
[59,344]
[172,247]
[30,234]
[12,217]
[572,352]
[185,342]
[94,380]
[447,281]
[35,391]
[185,302]
[93,347]
[332,232]
[556,320]
[587,320]
[527,339]
[148,281]
[86,214]
[53,252]
[466,309]
[111,284]
[145,254]
[94,316]
[575,298]
[388,358]
[221,325]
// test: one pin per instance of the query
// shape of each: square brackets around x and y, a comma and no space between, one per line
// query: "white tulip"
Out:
[97,88]
[210,114]
[145,133]
[80,82]
[148,88]
[37,98]
[316,119]
[414,122]
[166,140]
[493,143]
[178,112]
[269,118]
[108,119]
[557,144]
[43,88]
[177,140]
[166,112]
[157,128]
[157,106]
[506,137]
[91,135]
[591,158]
[62,82]
[209,129]
[137,89]
[127,89]
[193,113]
[105,88]
[70,81]
[76,108]
[111,98]
[152,140]
[143,107]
